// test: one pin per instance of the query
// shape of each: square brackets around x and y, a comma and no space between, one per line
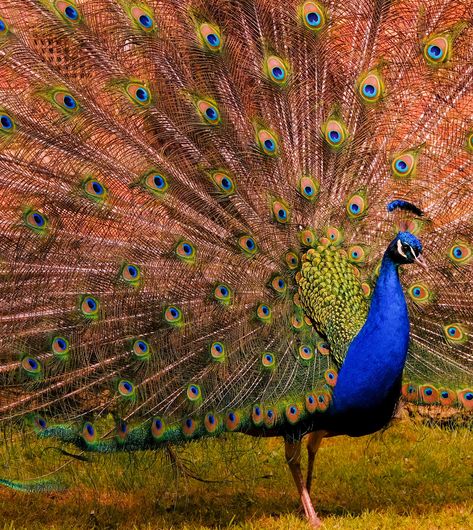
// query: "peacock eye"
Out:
[144,19]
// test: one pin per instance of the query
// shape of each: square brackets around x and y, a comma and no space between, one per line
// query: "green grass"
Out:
[408,477]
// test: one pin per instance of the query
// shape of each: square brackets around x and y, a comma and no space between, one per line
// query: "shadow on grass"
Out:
[410,476]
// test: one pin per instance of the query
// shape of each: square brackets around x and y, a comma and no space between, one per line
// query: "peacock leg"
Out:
[313,443]
[293,458]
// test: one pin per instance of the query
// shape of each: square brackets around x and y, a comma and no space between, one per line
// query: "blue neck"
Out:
[372,370]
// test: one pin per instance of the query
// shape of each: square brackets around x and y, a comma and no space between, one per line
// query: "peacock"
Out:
[214,216]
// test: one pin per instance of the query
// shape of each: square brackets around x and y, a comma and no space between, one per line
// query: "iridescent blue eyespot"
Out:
[354,208]
[38,219]
[159,182]
[370,91]
[226,184]
[142,94]
[434,51]
[213,40]
[70,102]
[313,19]
[401,166]
[142,346]
[335,136]
[278,73]
[457,252]
[269,145]
[71,13]
[3,26]
[211,113]
[416,291]
[6,122]
[146,21]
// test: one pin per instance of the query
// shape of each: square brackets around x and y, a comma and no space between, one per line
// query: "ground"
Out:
[410,476]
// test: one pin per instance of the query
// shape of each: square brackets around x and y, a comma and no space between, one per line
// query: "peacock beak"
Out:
[421,261]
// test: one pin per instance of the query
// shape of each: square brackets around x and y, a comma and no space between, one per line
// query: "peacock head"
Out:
[406,248]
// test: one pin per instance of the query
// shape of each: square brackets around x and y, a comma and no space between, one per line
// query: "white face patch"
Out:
[399,248]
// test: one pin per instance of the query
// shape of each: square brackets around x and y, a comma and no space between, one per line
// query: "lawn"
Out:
[408,477]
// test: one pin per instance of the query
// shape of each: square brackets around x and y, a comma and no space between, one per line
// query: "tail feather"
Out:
[159,189]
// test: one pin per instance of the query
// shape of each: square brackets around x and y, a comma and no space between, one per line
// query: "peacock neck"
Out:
[370,377]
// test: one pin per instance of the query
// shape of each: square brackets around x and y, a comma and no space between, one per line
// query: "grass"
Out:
[409,477]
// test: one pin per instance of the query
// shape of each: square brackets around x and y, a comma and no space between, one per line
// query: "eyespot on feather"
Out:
[356,206]
[267,142]
[155,182]
[89,434]
[276,70]
[366,289]
[293,413]
[173,316]
[455,333]
[309,188]
[307,237]
[313,16]
[208,111]
[460,253]
[232,421]
[7,125]
[323,401]
[60,347]
[141,349]
[122,430]
[311,402]
[268,361]
[264,313]
[371,87]
[130,274]
[465,397]
[429,394]
[334,235]
[158,428]
[223,294]
[420,293]
[31,366]
[144,19]
[257,415]
[279,285]
[356,254]
[189,427]
[89,306]
[335,133]
[280,211]
[211,422]
[437,50]
[139,94]
[65,101]
[306,352]
[331,376]
[217,351]
[93,189]
[3,27]
[211,37]
[68,11]
[410,392]
[224,183]
[185,250]
[248,245]
[194,392]
[126,389]
[403,165]
[35,220]
[291,259]
[270,417]
[447,397]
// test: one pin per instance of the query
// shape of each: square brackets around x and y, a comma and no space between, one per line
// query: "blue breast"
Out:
[369,380]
